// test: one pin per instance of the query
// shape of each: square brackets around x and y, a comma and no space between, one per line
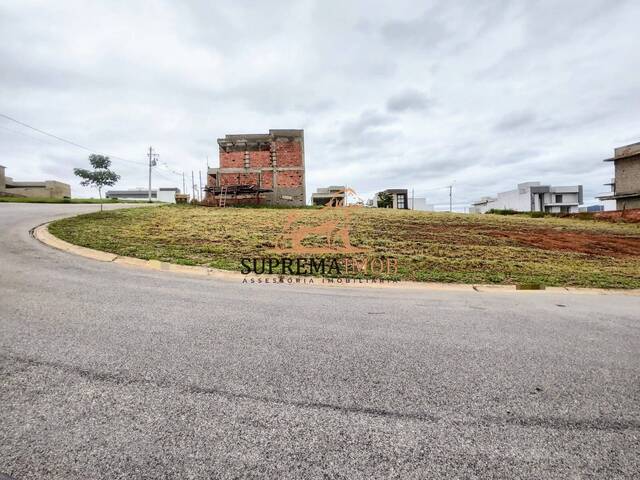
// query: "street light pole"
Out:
[152,163]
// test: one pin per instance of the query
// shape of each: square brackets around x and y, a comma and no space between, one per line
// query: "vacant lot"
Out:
[429,246]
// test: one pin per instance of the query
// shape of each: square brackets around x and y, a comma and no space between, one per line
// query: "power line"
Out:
[67,141]
[83,147]
[75,144]
[163,176]
[169,169]
[26,135]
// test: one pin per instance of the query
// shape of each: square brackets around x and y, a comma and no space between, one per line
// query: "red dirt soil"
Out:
[632,215]
[581,242]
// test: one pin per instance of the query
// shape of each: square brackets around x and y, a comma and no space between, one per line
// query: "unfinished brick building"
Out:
[259,168]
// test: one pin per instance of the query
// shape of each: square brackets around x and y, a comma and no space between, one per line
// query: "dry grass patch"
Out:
[429,246]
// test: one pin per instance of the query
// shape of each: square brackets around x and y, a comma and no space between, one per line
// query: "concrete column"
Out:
[274,166]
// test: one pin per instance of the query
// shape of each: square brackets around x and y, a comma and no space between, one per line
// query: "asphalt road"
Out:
[110,372]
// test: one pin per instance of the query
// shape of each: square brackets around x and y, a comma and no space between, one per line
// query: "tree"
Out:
[385,200]
[100,176]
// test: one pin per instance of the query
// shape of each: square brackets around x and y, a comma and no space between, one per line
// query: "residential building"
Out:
[399,197]
[46,189]
[259,167]
[322,196]
[482,205]
[162,194]
[534,197]
[625,187]
[420,204]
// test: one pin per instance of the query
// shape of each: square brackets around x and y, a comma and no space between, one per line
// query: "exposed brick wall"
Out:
[238,179]
[267,180]
[288,154]
[231,159]
[285,145]
[260,159]
[289,179]
[211,181]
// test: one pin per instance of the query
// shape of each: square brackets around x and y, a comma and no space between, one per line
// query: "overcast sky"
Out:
[402,94]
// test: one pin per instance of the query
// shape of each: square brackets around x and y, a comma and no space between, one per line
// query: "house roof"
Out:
[626,151]
[613,159]
[130,192]
[619,195]
[395,190]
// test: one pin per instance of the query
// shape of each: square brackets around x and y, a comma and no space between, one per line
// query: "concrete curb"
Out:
[42,234]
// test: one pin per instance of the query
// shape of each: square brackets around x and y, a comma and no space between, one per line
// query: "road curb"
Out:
[41,233]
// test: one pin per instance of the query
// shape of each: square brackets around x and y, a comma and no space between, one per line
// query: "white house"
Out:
[163,194]
[419,204]
[534,197]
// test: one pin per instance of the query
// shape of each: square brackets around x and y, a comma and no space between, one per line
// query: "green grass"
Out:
[431,247]
[64,200]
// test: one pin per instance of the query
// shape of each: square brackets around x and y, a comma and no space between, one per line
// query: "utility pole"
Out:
[153,160]
[450,198]
[200,191]
[413,199]
[184,185]
[193,187]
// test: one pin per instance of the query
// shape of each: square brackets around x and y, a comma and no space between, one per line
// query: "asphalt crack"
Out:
[563,423]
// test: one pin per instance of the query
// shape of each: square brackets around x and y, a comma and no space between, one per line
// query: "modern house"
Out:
[322,196]
[258,168]
[46,189]
[625,187]
[483,205]
[166,195]
[399,198]
[534,197]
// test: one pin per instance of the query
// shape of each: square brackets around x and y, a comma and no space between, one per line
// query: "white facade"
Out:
[167,195]
[534,197]
[420,204]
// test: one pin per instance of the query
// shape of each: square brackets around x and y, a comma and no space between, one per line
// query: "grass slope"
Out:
[429,246]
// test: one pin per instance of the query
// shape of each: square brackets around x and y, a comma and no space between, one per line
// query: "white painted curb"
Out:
[42,234]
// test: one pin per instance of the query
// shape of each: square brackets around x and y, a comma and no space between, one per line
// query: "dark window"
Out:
[558,198]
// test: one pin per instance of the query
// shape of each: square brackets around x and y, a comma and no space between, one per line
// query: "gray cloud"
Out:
[421,33]
[524,91]
[408,100]
[515,121]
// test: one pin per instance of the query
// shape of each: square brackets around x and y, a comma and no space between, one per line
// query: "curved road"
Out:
[110,372]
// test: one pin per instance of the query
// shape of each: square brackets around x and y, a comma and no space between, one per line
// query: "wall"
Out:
[567,198]
[627,175]
[48,189]
[167,196]
[420,204]
[513,200]
[273,161]
[627,203]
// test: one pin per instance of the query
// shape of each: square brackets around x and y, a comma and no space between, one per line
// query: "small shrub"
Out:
[502,211]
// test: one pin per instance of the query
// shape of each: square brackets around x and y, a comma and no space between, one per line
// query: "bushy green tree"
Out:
[100,176]
[385,200]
